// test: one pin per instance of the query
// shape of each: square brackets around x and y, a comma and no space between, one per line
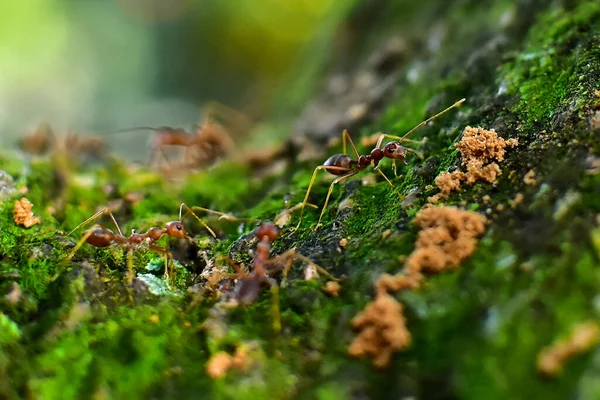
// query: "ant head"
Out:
[268,230]
[177,230]
[394,150]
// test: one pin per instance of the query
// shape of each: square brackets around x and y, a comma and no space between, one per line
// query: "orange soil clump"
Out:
[332,288]
[530,178]
[22,214]
[383,330]
[478,149]
[448,236]
[583,337]
[221,362]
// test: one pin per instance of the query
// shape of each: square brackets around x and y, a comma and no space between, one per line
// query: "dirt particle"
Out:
[310,272]
[447,182]
[530,178]
[22,214]
[582,338]
[14,294]
[517,200]
[332,288]
[221,362]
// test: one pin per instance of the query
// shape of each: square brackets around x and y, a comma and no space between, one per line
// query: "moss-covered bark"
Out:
[530,70]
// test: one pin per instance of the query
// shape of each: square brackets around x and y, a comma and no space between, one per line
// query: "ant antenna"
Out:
[458,103]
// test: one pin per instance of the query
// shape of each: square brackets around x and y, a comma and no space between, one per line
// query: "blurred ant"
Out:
[99,236]
[210,141]
[43,140]
[248,287]
[346,166]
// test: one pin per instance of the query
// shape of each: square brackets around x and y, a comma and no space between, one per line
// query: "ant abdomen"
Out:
[341,161]
[101,237]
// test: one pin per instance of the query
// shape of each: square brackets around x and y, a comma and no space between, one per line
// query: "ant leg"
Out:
[130,266]
[402,138]
[238,270]
[419,142]
[152,161]
[346,135]
[285,259]
[80,243]
[391,184]
[312,181]
[93,217]
[311,262]
[283,217]
[189,211]
[168,257]
[275,305]
[300,205]
[340,179]
[223,215]
[289,256]
[399,138]
[458,103]
[235,119]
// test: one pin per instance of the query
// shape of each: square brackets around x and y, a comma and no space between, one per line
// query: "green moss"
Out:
[543,72]
[78,332]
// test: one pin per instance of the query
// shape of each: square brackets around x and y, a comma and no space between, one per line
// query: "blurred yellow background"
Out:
[92,65]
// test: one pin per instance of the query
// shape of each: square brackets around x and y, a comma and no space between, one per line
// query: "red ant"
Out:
[210,140]
[346,166]
[99,236]
[248,287]
[43,140]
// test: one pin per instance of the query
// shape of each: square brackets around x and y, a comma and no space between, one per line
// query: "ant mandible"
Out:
[346,166]
[99,236]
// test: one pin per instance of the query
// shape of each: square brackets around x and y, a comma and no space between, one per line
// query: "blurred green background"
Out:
[91,65]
